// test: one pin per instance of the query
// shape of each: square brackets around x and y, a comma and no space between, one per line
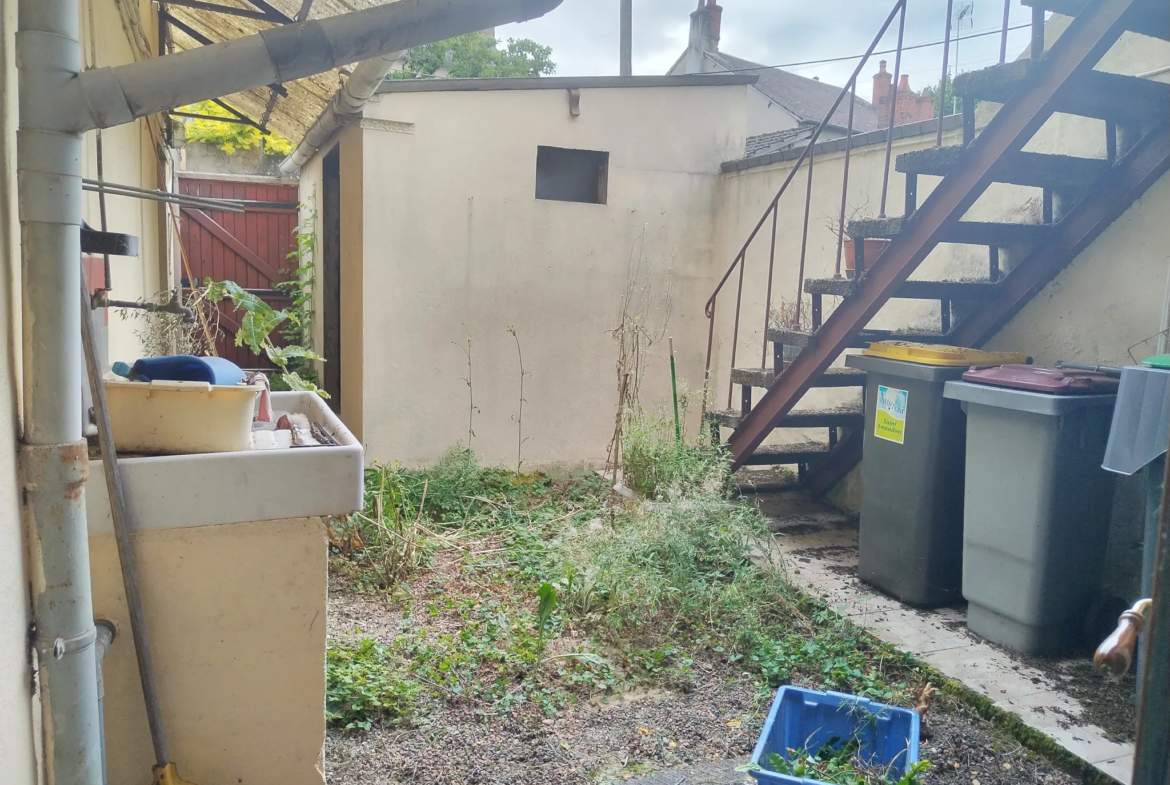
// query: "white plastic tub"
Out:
[173,418]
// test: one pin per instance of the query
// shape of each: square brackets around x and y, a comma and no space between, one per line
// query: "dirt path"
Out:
[717,721]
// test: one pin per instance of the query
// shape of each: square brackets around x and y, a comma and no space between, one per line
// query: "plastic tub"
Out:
[180,417]
[807,721]
[1037,506]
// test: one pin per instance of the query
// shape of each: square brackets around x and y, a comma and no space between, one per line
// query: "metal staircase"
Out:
[1081,197]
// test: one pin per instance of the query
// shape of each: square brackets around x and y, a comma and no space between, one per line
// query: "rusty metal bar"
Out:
[1084,42]
[845,179]
[893,112]
[768,296]
[911,194]
[804,242]
[735,332]
[942,85]
[817,303]
[215,8]
[1007,12]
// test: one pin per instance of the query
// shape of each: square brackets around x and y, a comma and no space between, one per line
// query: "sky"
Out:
[584,35]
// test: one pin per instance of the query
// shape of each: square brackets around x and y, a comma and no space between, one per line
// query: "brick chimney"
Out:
[883,80]
[706,24]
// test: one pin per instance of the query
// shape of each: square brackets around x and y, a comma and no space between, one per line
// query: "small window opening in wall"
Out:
[572,175]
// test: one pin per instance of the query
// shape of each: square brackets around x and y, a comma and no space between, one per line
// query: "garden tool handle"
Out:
[1115,654]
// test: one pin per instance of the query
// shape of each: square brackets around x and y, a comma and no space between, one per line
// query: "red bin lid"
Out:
[1052,381]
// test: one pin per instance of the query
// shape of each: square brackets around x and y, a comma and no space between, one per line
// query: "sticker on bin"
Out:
[890,421]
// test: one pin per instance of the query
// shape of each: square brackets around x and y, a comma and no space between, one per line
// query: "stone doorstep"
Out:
[931,636]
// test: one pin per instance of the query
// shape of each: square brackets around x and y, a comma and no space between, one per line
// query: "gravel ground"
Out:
[705,732]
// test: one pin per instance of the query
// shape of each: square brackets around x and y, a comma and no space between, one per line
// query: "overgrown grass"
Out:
[364,685]
[635,592]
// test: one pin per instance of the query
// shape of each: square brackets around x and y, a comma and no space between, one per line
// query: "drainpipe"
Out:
[54,458]
[349,100]
[57,104]
[106,632]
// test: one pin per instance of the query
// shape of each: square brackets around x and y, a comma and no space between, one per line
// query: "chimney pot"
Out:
[904,82]
[882,67]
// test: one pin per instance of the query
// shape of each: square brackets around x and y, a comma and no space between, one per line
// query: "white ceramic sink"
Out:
[182,491]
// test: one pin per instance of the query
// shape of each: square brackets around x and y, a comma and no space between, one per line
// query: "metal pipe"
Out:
[350,98]
[627,37]
[111,96]
[1104,370]
[54,457]
[106,632]
[942,85]
[894,113]
[205,203]
[107,275]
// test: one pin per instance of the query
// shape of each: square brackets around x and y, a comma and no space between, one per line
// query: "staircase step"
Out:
[1097,94]
[860,341]
[845,417]
[909,290]
[1033,169]
[964,232]
[834,377]
[1149,17]
[777,454]
[753,377]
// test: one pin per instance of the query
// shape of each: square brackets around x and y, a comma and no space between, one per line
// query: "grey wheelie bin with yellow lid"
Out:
[1037,502]
[911,538]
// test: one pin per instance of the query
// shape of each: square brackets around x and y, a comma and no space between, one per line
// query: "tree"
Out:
[479,55]
[954,104]
[230,137]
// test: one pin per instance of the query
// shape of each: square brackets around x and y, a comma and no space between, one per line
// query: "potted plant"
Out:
[873,247]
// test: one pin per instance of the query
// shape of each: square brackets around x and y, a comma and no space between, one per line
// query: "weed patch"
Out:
[365,683]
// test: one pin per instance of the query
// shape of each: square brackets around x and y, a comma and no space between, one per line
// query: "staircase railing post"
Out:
[942,85]
[768,297]
[845,178]
[893,110]
[1007,12]
[804,237]
[735,332]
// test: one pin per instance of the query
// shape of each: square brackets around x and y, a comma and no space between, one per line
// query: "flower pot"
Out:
[873,249]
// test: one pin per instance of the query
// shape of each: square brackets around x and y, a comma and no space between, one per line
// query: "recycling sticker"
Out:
[890,422]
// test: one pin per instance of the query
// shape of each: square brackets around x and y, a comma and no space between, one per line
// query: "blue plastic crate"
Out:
[807,720]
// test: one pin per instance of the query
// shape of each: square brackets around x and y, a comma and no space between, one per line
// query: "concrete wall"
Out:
[236,615]
[455,246]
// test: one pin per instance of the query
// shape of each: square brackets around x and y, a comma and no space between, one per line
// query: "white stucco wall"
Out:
[17,752]
[456,245]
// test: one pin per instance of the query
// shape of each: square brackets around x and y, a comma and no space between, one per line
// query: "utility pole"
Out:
[627,36]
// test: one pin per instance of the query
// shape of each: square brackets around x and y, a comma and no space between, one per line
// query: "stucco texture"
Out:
[236,618]
[455,246]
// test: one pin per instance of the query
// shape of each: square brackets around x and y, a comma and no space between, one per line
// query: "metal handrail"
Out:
[741,258]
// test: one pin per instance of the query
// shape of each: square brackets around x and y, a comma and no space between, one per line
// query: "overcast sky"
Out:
[584,35]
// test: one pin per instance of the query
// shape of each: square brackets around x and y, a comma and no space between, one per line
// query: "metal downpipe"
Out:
[54,458]
[350,99]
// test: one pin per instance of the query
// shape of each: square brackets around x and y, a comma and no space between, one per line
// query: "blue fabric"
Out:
[185,368]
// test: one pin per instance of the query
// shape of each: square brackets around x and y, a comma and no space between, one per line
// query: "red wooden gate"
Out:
[251,249]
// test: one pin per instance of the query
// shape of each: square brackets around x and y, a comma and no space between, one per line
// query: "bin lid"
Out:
[1141,420]
[933,354]
[1158,361]
[1053,381]
[1024,400]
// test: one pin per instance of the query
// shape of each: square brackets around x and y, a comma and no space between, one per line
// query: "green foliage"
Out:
[838,762]
[654,463]
[297,330]
[256,327]
[230,137]
[365,684]
[548,603]
[478,55]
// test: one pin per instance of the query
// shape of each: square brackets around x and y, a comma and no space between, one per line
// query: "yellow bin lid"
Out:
[934,354]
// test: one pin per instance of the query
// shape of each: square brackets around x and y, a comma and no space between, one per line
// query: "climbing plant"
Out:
[302,272]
